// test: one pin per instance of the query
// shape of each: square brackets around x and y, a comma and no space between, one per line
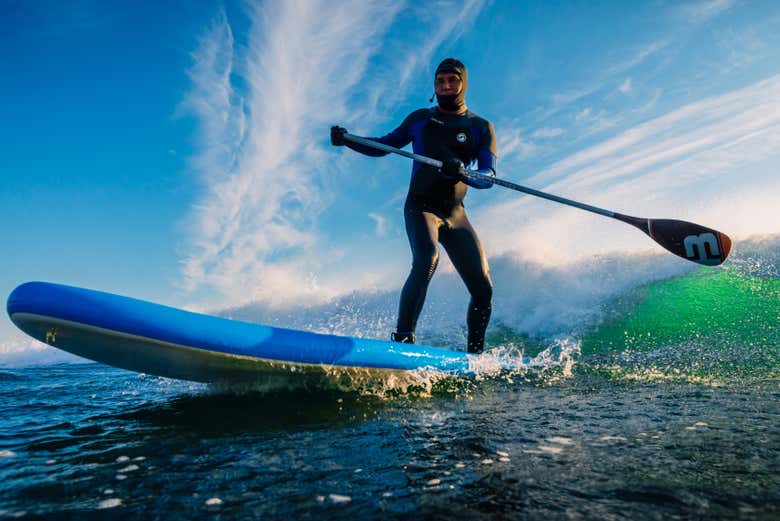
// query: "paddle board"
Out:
[165,341]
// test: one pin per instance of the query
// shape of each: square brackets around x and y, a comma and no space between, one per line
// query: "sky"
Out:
[178,151]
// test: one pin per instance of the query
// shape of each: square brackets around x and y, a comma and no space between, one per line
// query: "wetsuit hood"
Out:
[453,102]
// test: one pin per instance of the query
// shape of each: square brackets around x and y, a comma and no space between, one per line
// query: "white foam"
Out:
[110,503]
[530,297]
[559,440]
[612,438]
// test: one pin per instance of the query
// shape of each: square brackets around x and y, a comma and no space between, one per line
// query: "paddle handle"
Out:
[474,175]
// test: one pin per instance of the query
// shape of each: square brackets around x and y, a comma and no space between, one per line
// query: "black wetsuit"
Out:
[434,211]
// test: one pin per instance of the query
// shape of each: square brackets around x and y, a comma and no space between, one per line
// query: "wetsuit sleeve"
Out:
[486,157]
[398,138]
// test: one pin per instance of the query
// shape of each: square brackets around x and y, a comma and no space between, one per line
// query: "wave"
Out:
[609,306]
[720,326]
[647,317]
[531,299]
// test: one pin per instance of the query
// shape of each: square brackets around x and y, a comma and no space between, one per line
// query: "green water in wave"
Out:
[712,325]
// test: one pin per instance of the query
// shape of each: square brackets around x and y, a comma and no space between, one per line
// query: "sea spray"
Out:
[635,314]
[502,364]
[530,298]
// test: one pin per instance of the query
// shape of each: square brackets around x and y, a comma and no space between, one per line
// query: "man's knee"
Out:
[425,263]
[482,294]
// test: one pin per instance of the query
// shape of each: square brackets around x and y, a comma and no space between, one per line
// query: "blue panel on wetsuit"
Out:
[441,136]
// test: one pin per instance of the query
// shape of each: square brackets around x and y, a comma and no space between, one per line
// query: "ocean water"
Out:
[663,404]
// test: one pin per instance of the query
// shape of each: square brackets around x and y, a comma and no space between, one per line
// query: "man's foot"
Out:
[404,338]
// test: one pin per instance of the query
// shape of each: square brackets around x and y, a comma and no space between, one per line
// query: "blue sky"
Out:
[178,152]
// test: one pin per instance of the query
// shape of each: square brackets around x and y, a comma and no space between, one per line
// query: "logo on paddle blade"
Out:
[696,247]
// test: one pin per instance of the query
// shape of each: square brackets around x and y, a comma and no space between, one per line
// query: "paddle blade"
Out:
[690,241]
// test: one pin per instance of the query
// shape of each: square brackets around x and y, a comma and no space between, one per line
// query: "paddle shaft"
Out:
[690,241]
[474,175]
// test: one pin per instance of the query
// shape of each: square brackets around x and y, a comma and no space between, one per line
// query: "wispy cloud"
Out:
[625,63]
[570,99]
[547,133]
[459,19]
[741,48]
[562,100]
[380,223]
[254,231]
[584,114]
[511,144]
[426,33]
[257,219]
[703,11]
[694,128]
[638,56]
[593,121]
[213,99]
[687,163]
[650,103]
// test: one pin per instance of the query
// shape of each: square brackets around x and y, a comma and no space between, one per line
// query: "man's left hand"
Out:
[337,136]
[452,169]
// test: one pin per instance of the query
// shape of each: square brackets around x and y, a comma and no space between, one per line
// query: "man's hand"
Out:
[451,168]
[337,136]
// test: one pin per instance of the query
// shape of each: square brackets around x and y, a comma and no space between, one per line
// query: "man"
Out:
[434,211]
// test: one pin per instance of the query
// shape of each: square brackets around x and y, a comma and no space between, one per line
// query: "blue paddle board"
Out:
[160,340]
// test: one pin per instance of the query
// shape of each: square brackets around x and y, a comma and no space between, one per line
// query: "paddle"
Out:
[690,241]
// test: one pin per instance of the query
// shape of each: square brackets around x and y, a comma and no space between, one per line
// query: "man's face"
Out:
[447,83]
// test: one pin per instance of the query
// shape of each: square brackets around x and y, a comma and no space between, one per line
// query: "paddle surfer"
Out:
[434,211]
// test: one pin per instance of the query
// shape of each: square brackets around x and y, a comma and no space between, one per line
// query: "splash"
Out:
[506,364]
[379,383]
[618,317]
[717,327]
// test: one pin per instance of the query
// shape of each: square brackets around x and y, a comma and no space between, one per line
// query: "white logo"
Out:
[694,246]
[461,137]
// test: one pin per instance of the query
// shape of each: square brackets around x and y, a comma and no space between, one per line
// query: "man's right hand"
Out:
[451,169]
[337,136]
